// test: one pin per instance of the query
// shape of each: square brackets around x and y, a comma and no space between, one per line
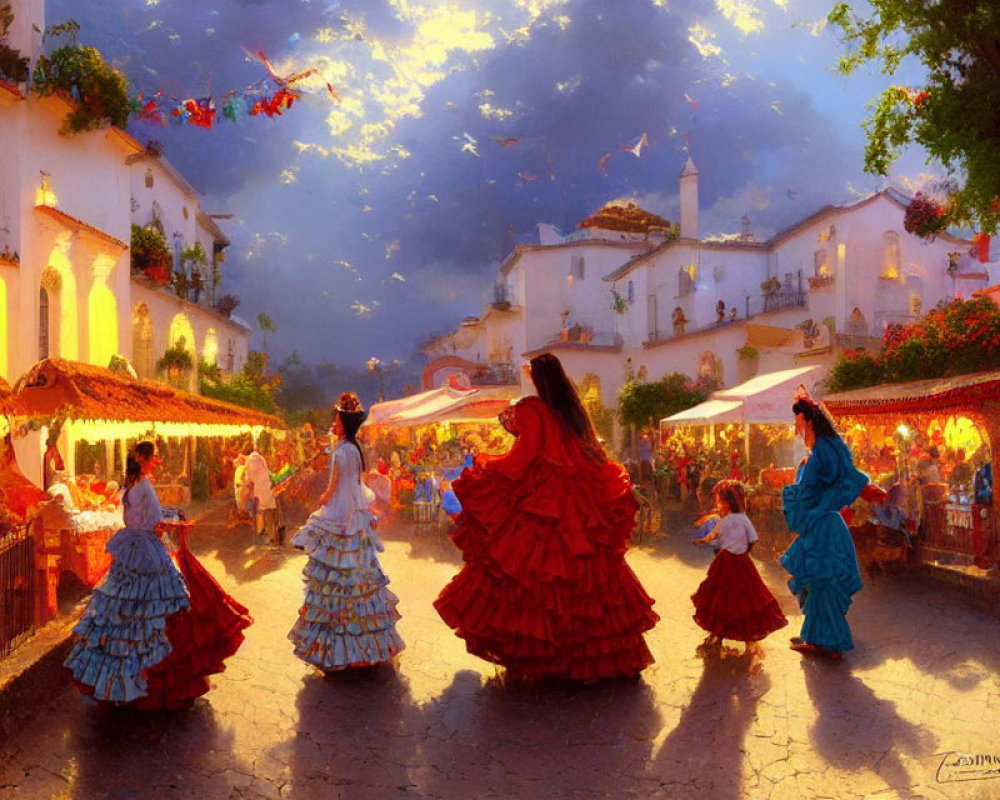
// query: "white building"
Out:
[833,280]
[67,204]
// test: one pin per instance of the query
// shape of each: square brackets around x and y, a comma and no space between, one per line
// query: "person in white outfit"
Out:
[265,507]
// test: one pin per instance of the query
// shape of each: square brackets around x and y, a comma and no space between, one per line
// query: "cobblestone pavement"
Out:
[922,686]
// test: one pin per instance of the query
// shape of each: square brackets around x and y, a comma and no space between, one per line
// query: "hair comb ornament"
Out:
[801,393]
[349,404]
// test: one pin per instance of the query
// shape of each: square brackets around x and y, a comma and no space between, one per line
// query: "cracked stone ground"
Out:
[923,682]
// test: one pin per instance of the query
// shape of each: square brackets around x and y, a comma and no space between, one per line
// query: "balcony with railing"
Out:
[583,337]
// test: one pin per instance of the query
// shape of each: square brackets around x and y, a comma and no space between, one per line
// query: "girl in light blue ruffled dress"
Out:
[123,632]
[349,616]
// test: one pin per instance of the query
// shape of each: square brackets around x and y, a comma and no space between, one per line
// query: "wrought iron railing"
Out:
[17,587]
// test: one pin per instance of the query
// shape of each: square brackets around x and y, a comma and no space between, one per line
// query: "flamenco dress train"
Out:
[348,617]
[202,637]
[141,639]
[545,590]
[822,560]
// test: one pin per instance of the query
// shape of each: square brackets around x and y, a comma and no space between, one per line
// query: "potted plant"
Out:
[150,255]
[175,362]
[771,285]
[99,90]
[925,217]
[227,304]
[194,259]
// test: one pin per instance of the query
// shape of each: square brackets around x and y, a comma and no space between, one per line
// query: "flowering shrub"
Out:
[954,339]
[925,217]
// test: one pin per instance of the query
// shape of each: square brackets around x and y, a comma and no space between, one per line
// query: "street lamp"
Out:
[375,366]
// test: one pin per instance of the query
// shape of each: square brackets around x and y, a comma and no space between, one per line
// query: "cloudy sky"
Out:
[366,217]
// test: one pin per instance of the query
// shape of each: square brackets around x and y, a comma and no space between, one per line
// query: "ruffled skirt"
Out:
[348,618]
[734,603]
[123,631]
[202,638]
[545,590]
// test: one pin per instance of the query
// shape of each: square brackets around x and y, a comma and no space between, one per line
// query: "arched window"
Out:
[891,259]
[43,323]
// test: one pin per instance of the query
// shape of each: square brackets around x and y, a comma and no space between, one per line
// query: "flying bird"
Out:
[360,309]
[505,141]
[791,194]
[349,267]
[691,100]
[602,165]
[636,149]
[527,177]
[469,144]
[332,92]
[283,82]
[396,277]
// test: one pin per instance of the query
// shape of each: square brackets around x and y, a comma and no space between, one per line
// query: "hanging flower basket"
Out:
[925,217]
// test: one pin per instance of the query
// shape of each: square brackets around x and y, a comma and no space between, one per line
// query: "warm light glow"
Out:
[180,326]
[3,329]
[101,430]
[210,352]
[44,196]
[903,431]
[102,314]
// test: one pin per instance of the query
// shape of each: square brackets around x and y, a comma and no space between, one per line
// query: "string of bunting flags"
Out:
[269,97]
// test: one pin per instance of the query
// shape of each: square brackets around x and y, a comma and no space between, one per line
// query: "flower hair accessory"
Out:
[802,394]
[349,404]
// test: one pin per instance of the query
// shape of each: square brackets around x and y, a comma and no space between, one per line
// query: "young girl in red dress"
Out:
[733,602]
[545,590]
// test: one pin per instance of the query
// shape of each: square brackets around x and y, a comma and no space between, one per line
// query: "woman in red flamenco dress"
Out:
[545,590]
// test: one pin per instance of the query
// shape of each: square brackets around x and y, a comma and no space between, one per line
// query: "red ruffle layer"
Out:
[202,638]
[545,590]
[734,603]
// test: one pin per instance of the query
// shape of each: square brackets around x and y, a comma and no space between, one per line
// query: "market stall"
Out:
[933,439]
[423,441]
[83,419]
[745,431]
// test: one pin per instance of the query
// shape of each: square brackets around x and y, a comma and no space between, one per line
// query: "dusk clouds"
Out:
[367,218]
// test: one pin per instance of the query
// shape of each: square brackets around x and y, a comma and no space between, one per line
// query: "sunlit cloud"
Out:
[704,40]
[744,15]
[569,86]
[288,176]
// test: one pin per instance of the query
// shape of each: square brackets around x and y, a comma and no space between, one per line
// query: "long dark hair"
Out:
[822,425]
[133,472]
[556,390]
[352,415]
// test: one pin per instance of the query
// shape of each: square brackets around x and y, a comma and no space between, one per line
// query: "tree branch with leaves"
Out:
[955,116]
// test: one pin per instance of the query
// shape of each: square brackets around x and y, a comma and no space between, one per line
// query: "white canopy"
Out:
[443,404]
[709,413]
[765,399]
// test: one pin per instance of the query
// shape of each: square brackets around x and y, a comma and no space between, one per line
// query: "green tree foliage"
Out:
[956,115]
[643,405]
[251,388]
[953,339]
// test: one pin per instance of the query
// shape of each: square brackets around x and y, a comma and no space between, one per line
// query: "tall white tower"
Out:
[689,201]
[24,33]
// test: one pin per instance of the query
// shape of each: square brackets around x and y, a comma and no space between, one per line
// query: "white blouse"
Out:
[142,506]
[735,533]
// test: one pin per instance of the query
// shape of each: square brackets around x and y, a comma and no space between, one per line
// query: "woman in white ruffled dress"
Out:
[349,617]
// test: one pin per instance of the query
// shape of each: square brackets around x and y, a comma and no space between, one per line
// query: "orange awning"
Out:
[86,392]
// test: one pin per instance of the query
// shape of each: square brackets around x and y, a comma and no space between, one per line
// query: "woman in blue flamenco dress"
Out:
[154,628]
[822,560]
[348,619]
